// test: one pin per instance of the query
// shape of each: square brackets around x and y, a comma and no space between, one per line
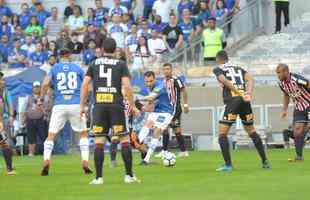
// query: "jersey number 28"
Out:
[67,81]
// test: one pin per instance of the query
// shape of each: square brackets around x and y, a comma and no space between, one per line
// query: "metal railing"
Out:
[240,29]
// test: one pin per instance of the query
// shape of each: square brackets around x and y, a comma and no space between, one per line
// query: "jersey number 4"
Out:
[67,81]
[107,74]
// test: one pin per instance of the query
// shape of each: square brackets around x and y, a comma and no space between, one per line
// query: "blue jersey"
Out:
[163,102]
[4,10]
[66,80]
[24,20]
[100,15]
[187,29]
[38,59]
[127,4]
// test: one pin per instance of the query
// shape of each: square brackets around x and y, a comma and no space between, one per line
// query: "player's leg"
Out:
[101,129]
[57,122]
[301,119]
[165,138]
[224,126]
[134,141]
[113,150]
[7,154]
[79,125]
[258,143]
[145,130]
[176,126]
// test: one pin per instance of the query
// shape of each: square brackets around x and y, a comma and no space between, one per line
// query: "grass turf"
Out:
[192,178]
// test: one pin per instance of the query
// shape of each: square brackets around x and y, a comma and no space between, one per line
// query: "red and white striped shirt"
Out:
[296,87]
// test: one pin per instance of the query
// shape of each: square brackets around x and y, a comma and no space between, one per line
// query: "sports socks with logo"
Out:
[84,148]
[127,158]
[153,144]
[259,146]
[48,149]
[99,159]
[113,150]
[224,144]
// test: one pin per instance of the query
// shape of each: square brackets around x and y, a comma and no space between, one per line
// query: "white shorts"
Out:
[161,120]
[63,113]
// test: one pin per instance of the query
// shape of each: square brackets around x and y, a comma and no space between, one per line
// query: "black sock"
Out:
[99,159]
[113,150]
[181,141]
[143,154]
[165,140]
[259,146]
[127,158]
[7,154]
[299,144]
[224,144]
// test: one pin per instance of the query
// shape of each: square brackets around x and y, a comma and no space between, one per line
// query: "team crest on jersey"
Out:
[65,68]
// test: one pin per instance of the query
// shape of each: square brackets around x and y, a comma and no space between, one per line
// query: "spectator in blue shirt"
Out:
[4,10]
[25,16]
[117,9]
[187,27]
[101,14]
[6,28]
[33,9]
[39,57]
[148,7]
[129,4]
[5,46]
[158,25]
[17,57]
[41,14]
[144,30]
[89,54]
[220,12]
[204,14]
[185,4]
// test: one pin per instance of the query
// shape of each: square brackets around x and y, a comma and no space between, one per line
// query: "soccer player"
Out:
[160,93]
[177,90]
[66,80]
[109,76]
[237,95]
[297,88]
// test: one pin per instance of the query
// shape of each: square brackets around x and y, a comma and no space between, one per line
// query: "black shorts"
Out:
[301,116]
[176,121]
[237,107]
[109,117]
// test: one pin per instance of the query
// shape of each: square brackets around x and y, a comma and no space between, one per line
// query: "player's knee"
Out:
[178,131]
[100,140]
[51,137]
[115,139]
[99,146]
[84,134]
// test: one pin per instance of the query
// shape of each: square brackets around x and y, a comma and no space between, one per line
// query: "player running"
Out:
[237,94]
[178,90]
[297,88]
[109,76]
[66,80]
[162,116]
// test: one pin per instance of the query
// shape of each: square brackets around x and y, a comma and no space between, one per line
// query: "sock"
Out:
[224,144]
[153,144]
[143,154]
[84,148]
[99,159]
[48,149]
[299,144]
[113,150]
[181,141]
[165,140]
[259,146]
[127,158]
[143,133]
[7,154]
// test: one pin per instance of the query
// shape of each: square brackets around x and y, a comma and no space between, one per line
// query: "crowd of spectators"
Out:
[34,36]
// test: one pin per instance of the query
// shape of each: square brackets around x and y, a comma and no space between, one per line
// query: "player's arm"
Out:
[222,79]
[45,85]
[84,93]
[128,91]
[250,85]
[185,99]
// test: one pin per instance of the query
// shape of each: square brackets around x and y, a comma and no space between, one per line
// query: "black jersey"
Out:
[107,73]
[237,77]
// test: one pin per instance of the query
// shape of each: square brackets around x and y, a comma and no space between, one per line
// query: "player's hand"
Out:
[186,108]
[284,114]
[247,97]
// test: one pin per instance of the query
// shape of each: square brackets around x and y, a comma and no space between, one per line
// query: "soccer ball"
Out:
[169,159]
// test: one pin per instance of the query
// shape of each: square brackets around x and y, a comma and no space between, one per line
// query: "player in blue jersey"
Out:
[164,110]
[65,78]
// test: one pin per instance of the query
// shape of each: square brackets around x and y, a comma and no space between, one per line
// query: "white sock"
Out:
[144,132]
[48,149]
[153,144]
[84,148]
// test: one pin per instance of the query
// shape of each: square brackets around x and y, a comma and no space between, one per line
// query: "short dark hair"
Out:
[109,45]
[149,74]
[222,55]
[284,66]
[167,65]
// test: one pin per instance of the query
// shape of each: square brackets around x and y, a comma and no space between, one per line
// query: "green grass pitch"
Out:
[192,178]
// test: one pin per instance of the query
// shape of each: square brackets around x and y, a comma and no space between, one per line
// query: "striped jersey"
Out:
[174,86]
[296,87]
